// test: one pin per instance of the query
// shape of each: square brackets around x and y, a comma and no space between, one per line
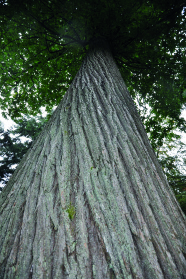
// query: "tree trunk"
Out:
[89,199]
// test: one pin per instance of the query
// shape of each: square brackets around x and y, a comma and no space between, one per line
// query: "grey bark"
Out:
[89,199]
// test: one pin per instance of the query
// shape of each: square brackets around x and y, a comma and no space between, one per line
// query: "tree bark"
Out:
[89,199]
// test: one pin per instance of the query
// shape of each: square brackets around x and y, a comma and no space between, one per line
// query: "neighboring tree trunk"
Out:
[89,199]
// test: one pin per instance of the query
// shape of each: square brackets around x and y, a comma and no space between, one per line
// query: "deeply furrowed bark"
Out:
[89,200]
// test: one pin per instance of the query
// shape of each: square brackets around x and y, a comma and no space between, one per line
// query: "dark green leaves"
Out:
[44,42]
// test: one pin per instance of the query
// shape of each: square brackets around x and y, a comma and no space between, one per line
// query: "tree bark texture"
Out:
[89,199]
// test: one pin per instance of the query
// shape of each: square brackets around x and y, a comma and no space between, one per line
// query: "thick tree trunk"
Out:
[89,200]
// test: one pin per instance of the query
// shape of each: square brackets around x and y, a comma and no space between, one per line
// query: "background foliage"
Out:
[13,146]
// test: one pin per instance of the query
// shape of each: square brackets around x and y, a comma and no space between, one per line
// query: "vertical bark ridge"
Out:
[89,200]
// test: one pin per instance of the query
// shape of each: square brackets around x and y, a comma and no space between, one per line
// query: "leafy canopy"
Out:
[43,44]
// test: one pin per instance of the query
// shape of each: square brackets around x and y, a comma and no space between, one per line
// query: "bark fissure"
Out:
[94,200]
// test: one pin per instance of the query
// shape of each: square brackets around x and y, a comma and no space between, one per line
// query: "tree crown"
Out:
[44,42]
